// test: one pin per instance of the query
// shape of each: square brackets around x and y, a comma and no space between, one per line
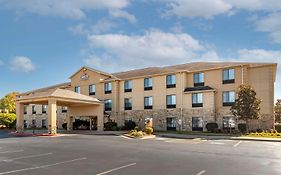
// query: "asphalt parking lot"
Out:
[90,155]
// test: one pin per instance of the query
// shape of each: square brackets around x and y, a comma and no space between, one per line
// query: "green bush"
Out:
[242,127]
[64,125]
[129,125]
[212,126]
[148,130]
[137,128]
[278,128]
[9,120]
[110,126]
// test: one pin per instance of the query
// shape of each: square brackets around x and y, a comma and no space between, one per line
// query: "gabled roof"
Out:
[93,70]
[60,94]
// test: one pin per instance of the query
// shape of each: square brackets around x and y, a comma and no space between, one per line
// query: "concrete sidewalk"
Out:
[214,137]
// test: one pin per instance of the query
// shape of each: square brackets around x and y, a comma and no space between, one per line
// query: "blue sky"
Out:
[43,42]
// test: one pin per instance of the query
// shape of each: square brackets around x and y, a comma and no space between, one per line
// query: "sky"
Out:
[44,42]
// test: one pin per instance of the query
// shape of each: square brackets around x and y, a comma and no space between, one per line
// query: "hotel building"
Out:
[180,97]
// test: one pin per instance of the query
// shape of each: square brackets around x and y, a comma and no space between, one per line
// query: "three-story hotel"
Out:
[180,97]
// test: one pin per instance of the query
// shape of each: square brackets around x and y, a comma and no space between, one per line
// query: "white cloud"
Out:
[210,56]
[22,64]
[79,29]
[256,5]
[151,49]
[102,25]
[117,13]
[74,9]
[198,8]
[271,24]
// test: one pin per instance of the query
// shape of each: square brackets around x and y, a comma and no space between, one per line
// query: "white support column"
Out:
[20,117]
[100,117]
[52,121]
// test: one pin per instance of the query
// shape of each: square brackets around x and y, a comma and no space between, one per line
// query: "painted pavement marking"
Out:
[115,169]
[25,157]
[237,144]
[15,151]
[201,172]
[43,166]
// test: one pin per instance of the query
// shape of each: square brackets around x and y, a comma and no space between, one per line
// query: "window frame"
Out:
[33,109]
[128,83]
[108,88]
[149,87]
[91,87]
[228,103]
[150,102]
[44,110]
[172,105]
[125,104]
[171,84]
[196,76]
[198,103]
[64,109]
[77,89]
[107,108]
[228,80]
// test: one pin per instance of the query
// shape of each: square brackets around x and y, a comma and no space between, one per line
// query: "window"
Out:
[107,105]
[171,81]
[33,123]
[33,109]
[128,86]
[171,101]
[171,123]
[198,79]
[197,100]
[92,89]
[107,88]
[197,124]
[44,109]
[25,109]
[24,123]
[228,98]
[44,123]
[147,84]
[128,103]
[64,109]
[77,89]
[228,122]
[148,103]
[228,76]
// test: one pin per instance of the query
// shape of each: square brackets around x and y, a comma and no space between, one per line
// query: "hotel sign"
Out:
[84,75]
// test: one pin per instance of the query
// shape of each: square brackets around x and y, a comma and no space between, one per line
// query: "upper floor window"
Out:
[25,109]
[148,103]
[33,108]
[64,109]
[107,88]
[228,76]
[198,79]
[128,103]
[44,109]
[197,100]
[171,101]
[108,105]
[128,86]
[228,98]
[77,89]
[171,81]
[92,89]
[147,84]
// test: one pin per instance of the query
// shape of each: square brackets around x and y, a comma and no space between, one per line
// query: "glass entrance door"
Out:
[197,124]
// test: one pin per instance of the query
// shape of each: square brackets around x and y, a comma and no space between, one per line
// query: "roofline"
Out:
[31,99]
[94,70]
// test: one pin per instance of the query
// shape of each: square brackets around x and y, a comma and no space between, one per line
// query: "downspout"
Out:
[182,94]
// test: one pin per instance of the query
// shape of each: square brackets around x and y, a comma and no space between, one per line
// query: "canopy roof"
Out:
[63,97]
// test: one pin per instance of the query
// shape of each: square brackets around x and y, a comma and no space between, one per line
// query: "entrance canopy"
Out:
[78,105]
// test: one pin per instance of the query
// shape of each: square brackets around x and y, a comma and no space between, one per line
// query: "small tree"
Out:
[247,105]
[277,111]
[9,102]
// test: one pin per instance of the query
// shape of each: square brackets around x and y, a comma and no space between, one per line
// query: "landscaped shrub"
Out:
[217,130]
[8,119]
[64,125]
[148,130]
[137,128]
[129,125]
[211,126]
[242,127]
[259,130]
[110,126]
[135,133]
[278,128]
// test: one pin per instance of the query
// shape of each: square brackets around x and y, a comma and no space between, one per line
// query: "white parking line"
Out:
[43,166]
[201,172]
[16,151]
[237,144]
[25,157]
[217,143]
[115,169]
